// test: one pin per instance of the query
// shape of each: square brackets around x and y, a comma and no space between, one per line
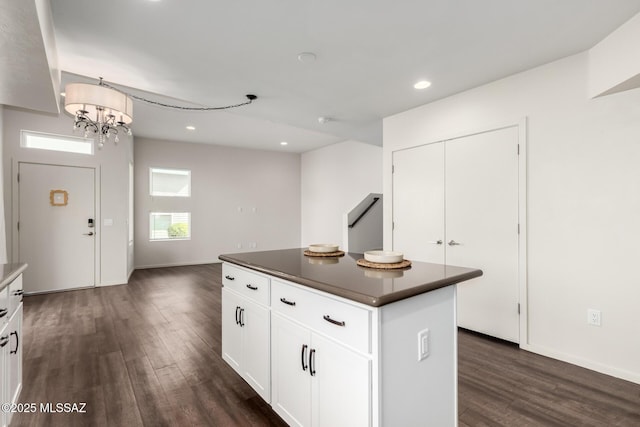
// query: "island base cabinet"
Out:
[316,381]
[245,340]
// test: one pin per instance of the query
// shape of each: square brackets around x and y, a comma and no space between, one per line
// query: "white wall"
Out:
[3,233]
[223,180]
[334,180]
[111,165]
[583,203]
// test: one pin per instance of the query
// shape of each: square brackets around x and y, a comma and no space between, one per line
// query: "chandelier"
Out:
[106,110]
[99,109]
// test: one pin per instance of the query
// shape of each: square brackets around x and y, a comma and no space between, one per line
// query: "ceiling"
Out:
[369,53]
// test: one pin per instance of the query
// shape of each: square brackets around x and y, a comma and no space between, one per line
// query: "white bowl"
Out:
[383,257]
[323,247]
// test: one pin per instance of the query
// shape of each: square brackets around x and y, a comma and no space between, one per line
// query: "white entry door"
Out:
[482,229]
[56,211]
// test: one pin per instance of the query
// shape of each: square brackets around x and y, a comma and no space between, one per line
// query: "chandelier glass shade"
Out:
[99,110]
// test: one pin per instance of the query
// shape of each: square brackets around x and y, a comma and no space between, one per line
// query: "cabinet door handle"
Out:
[284,300]
[18,292]
[437,242]
[242,317]
[3,312]
[253,288]
[312,362]
[303,356]
[4,340]
[229,277]
[335,322]
[453,243]
[17,342]
[237,317]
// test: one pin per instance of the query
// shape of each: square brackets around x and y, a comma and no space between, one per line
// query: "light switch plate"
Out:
[423,344]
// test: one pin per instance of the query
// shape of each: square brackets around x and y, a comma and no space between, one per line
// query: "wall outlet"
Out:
[593,317]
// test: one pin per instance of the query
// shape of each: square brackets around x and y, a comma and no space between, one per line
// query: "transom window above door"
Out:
[45,141]
[169,182]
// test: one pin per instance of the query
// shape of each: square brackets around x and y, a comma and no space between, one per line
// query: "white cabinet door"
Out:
[245,341]
[290,376]
[14,364]
[256,361]
[418,203]
[231,332]
[341,385]
[4,371]
[482,217]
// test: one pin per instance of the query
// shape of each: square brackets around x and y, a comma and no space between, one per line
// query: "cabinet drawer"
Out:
[15,294]
[4,306]
[339,320]
[252,285]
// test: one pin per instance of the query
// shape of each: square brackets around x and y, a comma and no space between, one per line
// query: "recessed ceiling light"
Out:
[284,143]
[191,127]
[422,84]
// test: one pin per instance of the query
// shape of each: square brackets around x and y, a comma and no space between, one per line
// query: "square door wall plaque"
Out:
[58,197]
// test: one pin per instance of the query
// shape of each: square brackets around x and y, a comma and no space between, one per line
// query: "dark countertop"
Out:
[343,277]
[8,272]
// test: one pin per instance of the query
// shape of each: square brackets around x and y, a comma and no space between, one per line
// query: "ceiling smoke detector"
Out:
[306,57]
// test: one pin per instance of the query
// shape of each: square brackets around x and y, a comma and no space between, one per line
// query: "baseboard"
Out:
[111,283]
[633,377]
[177,264]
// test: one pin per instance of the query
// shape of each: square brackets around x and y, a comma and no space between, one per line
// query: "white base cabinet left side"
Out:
[10,346]
[246,328]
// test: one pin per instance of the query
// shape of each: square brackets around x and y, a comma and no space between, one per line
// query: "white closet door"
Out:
[418,203]
[482,218]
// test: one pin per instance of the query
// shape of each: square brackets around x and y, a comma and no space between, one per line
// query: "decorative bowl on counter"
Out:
[383,257]
[323,248]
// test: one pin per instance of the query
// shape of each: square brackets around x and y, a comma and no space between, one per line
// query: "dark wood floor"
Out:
[149,354]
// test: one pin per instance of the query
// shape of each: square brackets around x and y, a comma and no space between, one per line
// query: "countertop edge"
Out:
[355,296]
[12,275]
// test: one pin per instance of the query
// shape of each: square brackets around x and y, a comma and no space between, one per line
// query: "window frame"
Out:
[168,239]
[25,134]
[158,170]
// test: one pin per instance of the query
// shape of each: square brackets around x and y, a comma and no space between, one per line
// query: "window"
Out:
[169,182]
[68,144]
[169,226]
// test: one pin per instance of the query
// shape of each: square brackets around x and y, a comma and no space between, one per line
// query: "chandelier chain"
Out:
[178,107]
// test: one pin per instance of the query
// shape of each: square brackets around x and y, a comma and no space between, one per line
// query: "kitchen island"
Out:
[329,343]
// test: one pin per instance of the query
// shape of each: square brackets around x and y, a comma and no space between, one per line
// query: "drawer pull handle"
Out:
[312,362]
[253,288]
[335,322]
[4,340]
[284,300]
[18,292]
[303,356]
[3,312]
[229,277]
[17,343]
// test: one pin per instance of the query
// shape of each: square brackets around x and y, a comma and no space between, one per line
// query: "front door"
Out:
[55,226]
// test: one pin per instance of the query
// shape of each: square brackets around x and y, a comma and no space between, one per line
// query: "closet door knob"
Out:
[437,242]
[453,243]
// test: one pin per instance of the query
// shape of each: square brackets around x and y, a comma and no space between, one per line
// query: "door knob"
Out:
[88,234]
[437,242]
[453,243]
